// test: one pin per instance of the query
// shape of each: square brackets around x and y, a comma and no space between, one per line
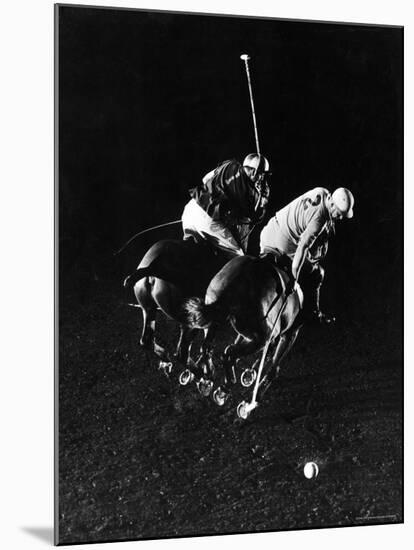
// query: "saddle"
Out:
[207,245]
[280,262]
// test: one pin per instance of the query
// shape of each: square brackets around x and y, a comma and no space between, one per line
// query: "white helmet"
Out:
[257,162]
[343,199]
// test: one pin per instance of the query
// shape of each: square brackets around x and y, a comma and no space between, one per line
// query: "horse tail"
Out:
[201,315]
[138,274]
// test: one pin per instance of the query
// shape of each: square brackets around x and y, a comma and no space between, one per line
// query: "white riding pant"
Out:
[273,238]
[196,220]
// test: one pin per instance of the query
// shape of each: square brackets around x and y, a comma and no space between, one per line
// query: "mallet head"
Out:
[245,57]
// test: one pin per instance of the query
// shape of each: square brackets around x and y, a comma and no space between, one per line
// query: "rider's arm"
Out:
[237,190]
[209,176]
[261,200]
[299,259]
[306,241]
[250,200]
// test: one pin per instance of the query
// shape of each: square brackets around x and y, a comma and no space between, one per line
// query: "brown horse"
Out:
[169,273]
[255,297]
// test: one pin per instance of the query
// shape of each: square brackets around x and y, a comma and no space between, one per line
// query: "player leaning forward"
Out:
[298,235]
[231,200]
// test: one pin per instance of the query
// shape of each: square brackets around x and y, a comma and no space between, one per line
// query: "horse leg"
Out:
[202,367]
[206,347]
[149,310]
[142,291]
[240,348]
[204,357]
[148,342]
[202,370]
[285,342]
[185,341]
[283,347]
[206,351]
[148,329]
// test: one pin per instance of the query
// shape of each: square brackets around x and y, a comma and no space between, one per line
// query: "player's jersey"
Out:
[305,220]
[228,195]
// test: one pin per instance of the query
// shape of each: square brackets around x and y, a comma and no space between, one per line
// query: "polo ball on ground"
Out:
[310,470]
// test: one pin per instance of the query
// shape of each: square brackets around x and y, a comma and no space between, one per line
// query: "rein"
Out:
[276,298]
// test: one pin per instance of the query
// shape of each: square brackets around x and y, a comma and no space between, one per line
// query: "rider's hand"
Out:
[262,187]
[290,286]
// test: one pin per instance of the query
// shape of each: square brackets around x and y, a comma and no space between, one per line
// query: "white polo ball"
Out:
[310,470]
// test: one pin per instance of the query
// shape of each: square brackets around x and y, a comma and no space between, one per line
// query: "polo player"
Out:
[229,202]
[298,234]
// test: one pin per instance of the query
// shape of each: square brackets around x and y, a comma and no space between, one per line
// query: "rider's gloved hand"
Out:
[262,187]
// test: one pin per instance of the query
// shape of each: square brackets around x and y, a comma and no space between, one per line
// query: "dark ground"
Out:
[148,103]
[142,457]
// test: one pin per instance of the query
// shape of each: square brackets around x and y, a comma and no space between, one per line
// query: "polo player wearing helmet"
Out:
[231,200]
[297,236]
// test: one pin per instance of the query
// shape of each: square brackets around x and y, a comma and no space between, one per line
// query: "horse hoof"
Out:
[186,377]
[204,387]
[244,409]
[165,367]
[247,377]
[220,396]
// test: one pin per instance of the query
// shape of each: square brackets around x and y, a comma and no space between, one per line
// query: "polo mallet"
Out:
[129,241]
[244,408]
[245,57]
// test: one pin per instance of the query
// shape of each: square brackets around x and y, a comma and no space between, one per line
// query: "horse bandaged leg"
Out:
[285,344]
[185,341]
[242,346]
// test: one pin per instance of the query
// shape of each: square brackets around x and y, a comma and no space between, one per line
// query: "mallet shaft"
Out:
[246,58]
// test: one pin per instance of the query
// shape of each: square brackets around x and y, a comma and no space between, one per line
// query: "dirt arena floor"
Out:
[142,457]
